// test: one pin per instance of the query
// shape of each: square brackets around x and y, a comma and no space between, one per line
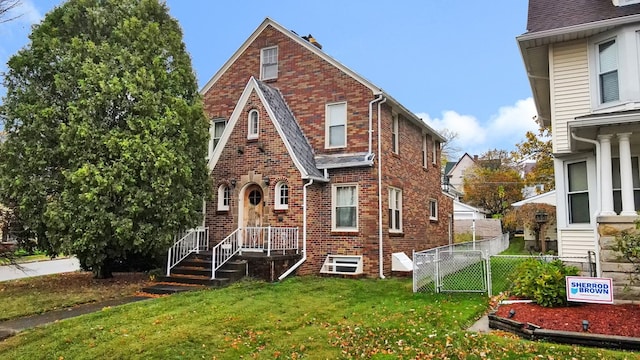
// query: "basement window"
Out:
[342,265]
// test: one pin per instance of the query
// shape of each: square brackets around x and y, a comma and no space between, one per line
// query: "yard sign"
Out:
[590,289]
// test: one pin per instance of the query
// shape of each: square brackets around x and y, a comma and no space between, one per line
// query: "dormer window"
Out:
[608,71]
[269,63]
[253,119]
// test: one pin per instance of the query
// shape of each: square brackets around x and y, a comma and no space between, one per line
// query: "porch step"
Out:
[194,280]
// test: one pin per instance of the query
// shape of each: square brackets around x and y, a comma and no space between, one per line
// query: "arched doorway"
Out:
[252,219]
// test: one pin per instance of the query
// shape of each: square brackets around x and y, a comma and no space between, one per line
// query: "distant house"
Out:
[583,59]
[551,232]
[308,155]
[454,175]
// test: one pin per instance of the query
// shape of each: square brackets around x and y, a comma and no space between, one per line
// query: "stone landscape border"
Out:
[533,332]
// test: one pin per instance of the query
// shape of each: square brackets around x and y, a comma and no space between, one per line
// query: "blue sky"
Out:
[456,64]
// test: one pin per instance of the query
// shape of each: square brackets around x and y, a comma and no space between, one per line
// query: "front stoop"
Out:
[194,273]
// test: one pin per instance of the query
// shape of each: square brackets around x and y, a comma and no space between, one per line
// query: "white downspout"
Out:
[304,233]
[380,238]
[371,121]
[599,197]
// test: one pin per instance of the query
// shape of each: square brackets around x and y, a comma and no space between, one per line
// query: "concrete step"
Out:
[165,289]
[194,280]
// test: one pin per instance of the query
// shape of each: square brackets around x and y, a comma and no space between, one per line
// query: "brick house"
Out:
[307,155]
[582,60]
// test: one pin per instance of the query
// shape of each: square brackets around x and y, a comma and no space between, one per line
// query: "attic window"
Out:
[269,63]
[342,265]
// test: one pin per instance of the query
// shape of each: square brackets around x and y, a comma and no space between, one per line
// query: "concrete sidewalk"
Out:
[11,327]
[38,268]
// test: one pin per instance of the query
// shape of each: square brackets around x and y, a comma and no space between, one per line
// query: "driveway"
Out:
[38,268]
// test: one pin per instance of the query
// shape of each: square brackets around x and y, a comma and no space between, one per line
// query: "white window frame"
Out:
[395,206]
[576,192]
[253,127]
[601,73]
[425,152]
[329,125]
[334,205]
[214,139]
[434,151]
[282,200]
[267,61]
[224,197]
[433,209]
[342,265]
[395,125]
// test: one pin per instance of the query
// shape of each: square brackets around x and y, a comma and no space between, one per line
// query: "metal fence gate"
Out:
[477,267]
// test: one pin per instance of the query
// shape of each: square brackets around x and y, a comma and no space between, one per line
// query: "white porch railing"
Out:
[191,241]
[269,239]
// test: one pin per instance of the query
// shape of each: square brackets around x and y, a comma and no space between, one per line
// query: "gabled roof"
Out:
[285,123]
[466,155]
[306,44]
[545,198]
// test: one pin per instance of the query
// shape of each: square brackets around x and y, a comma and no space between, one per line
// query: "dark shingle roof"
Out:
[292,132]
[555,14]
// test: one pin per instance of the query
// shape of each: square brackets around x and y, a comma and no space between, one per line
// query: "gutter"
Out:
[380,237]
[599,205]
[580,27]
[304,233]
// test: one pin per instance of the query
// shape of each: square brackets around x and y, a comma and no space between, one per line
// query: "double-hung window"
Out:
[253,118]
[608,71]
[394,134]
[434,150]
[425,152]
[215,133]
[344,214]
[282,196]
[433,209]
[269,63]
[395,210]
[224,197]
[617,187]
[336,125]
[578,192]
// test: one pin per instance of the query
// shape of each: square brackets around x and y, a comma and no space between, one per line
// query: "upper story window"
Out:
[336,125]
[578,192]
[224,197]
[395,210]
[344,209]
[434,151]
[608,71]
[425,152]
[269,63]
[282,196]
[215,133]
[252,132]
[394,134]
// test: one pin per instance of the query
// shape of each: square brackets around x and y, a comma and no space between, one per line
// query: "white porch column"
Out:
[626,175]
[606,187]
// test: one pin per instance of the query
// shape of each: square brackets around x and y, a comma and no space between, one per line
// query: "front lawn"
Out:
[36,295]
[301,317]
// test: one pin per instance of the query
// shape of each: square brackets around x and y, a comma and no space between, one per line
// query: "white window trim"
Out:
[212,134]
[278,205]
[433,205]
[425,152]
[395,125]
[221,197]
[434,151]
[395,198]
[568,192]
[327,123]
[342,265]
[262,51]
[251,132]
[334,199]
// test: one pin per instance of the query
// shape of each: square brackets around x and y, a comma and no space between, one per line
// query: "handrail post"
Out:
[169,262]
[213,264]
[197,241]
[269,240]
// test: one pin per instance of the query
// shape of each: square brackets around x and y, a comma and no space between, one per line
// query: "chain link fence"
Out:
[477,267]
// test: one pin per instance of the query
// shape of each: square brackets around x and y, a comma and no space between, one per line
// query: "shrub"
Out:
[542,281]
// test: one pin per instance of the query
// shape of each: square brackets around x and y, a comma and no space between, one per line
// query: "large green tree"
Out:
[106,134]
[493,183]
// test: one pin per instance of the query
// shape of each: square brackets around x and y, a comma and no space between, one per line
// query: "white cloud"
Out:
[27,13]
[502,131]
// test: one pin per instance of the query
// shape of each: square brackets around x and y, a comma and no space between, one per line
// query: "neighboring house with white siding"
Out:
[582,59]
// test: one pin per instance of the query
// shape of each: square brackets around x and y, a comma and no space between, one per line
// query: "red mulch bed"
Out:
[622,320]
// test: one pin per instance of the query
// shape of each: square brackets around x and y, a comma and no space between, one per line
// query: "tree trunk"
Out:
[102,271]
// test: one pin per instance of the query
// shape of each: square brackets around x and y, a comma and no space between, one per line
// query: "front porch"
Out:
[259,252]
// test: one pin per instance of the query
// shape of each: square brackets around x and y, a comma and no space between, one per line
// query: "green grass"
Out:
[516,247]
[302,317]
[36,295]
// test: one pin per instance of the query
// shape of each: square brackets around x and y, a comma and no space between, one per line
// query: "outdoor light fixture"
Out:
[266,180]
[233,183]
[585,325]
[512,313]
